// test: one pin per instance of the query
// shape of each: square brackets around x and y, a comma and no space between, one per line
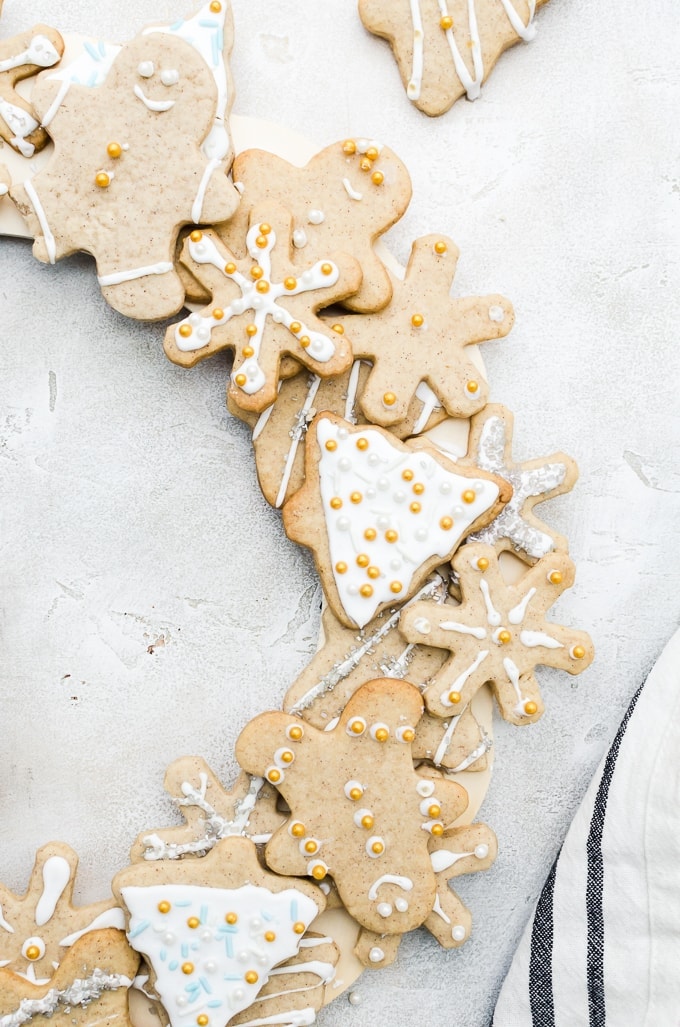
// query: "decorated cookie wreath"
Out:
[350,800]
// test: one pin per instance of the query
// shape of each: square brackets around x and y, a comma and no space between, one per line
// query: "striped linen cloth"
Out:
[602,948]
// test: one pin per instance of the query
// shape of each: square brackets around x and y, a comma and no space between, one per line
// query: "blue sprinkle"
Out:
[214,41]
[185,950]
[163,955]
[204,984]
[102,47]
[173,965]
[94,54]
[228,945]
[92,81]
[231,977]
[214,1003]
[192,989]
[175,28]
[138,929]
[294,910]
[208,23]
[204,914]
[183,903]
[195,946]
[265,915]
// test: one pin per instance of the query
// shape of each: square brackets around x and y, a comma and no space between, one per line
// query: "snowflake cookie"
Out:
[70,964]
[20,57]
[445,49]
[498,634]
[380,514]
[263,307]
[214,929]
[136,157]
[517,528]
[358,809]
[419,341]
[345,198]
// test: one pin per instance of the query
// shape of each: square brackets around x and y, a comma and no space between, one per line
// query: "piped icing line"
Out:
[430,403]
[518,612]
[3,923]
[293,1018]
[352,389]
[397,666]
[437,908]
[405,883]
[344,668]
[197,207]
[89,68]
[21,124]
[444,859]
[80,993]
[131,275]
[463,629]
[536,638]
[462,678]
[39,51]
[526,32]
[512,671]
[492,614]
[56,874]
[50,242]
[472,84]
[443,746]
[476,754]
[326,971]
[416,79]
[262,420]
[297,434]
[156,106]
[353,193]
[114,917]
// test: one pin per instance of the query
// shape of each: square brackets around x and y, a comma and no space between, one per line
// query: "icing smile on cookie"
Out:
[153,105]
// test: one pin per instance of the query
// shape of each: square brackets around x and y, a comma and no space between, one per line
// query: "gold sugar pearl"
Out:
[287,756]
[372,153]
[355,794]
[377,178]
[305,341]
[349,147]
[193,922]
[472,386]
[290,283]
[366,591]
[341,567]
[419,488]
[469,496]
[262,286]
[231,918]
[362,443]
[251,330]
[357,727]
[251,977]
[256,272]
[318,872]
[311,847]
[265,229]
[274,775]
[299,928]
[530,708]
[185,331]
[187,968]
[326,269]
[454,697]
[555,577]
[202,1020]
[114,150]
[216,6]
[408,474]
[355,497]
[298,830]
[339,329]
[196,235]
[269,936]
[102,180]
[248,351]
[434,811]
[446,22]
[295,327]
[240,380]
[230,268]
[389,399]
[336,503]
[365,164]
[396,587]
[370,534]
[218,313]
[367,822]
[261,242]
[331,445]
[382,734]
[391,535]
[437,830]
[363,560]
[483,563]
[295,732]
[164,906]
[408,734]
[415,508]
[504,636]
[578,652]
[373,572]
[378,848]
[33,953]
[446,523]
[440,247]
[417,320]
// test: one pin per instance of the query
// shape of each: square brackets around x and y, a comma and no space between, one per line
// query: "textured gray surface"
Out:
[131,516]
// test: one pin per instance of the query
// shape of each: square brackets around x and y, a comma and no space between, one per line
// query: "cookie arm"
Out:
[481,318]
[216,198]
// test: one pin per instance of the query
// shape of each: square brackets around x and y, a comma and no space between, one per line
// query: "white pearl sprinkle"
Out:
[384,909]
[482,851]
[354,998]
[458,933]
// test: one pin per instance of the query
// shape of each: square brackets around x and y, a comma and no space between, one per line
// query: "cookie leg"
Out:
[152,293]
[377,950]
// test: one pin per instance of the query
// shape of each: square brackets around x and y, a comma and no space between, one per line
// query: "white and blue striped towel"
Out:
[602,948]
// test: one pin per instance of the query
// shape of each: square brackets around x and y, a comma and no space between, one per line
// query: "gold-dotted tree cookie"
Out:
[445,49]
[533,481]
[422,337]
[128,169]
[20,57]
[345,198]
[380,515]
[214,929]
[263,307]
[71,964]
[498,634]
[211,812]
[358,811]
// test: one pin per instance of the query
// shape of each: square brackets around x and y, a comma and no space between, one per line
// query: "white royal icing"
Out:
[80,993]
[56,875]
[114,917]
[89,68]
[118,277]
[219,954]
[39,51]
[376,473]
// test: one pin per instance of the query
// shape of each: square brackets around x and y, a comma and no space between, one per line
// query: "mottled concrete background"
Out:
[150,604]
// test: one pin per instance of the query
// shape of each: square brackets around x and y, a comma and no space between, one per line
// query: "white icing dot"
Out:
[299,238]
[421,534]
[255,923]
[422,625]
[353,590]
[169,76]
[238,306]
[206,935]
[458,933]
[316,346]
[344,464]
[256,303]
[401,904]
[145,69]
[181,1001]
[478,486]
[458,511]
[399,496]
[373,459]
[238,994]
[445,488]
[351,785]
[307,278]
[243,956]
[194,319]
[169,938]
[277,317]
[383,484]
[263,959]
[343,523]
[496,314]
[395,564]
[376,955]
[370,492]
[316,217]
[482,851]
[385,910]
[343,434]
[211,966]
[203,333]
[425,788]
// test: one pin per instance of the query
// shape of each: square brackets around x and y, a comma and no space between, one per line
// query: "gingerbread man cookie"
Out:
[128,168]
[379,514]
[20,57]
[263,307]
[359,811]
[71,964]
[421,338]
[498,634]
[445,49]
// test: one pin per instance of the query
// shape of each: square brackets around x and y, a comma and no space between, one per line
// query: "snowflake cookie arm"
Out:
[518,529]
[422,337]
[460,850]
[20,57]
